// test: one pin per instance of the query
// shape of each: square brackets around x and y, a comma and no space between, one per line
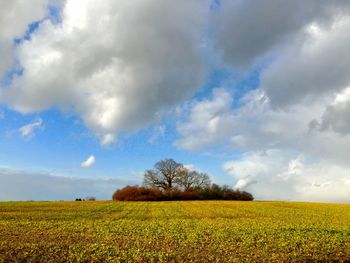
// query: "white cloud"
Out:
[2,114]
[253,125]
[275,142]
[242,184]
[276,175]
[190,167]
[15,15]
[90,161]
[208,122]
[28,130]
[108,139]
[118,64]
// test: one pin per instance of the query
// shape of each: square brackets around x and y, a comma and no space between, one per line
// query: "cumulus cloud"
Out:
[304,43]
[284,175]
[316,68]
[19,185]
[90,161]
[12,27]
[209,122]
[273,141]
[253,125]
[28,130]
[118,64]
[247,31]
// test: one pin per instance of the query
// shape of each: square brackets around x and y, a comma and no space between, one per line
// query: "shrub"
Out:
[136,193]
[214,192]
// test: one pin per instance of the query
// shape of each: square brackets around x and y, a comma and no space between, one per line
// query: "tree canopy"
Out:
[164,175]
[169,174]
[170,180]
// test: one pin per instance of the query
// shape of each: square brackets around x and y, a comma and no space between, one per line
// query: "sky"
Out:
[255,93]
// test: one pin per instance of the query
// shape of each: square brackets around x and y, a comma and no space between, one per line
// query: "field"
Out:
[199,231]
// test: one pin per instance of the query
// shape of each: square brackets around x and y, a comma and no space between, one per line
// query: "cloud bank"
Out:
[20,186]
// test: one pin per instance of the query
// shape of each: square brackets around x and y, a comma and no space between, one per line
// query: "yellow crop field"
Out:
[196,231]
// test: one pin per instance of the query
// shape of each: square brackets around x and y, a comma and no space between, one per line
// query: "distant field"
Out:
[223,231]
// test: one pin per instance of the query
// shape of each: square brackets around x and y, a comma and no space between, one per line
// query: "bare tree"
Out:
[164,175]
[191,179]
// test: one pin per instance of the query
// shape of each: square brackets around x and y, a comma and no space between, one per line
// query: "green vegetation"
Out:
[199,231]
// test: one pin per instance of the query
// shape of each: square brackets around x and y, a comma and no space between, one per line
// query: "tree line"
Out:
[170,180]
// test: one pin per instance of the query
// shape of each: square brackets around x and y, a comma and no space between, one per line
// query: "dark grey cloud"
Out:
[337,115]
[248,30]
[337,119]
[320,67]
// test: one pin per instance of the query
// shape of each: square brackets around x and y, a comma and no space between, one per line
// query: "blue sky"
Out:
[228,87]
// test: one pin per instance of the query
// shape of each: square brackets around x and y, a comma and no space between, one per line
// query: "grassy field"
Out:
[207,231]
